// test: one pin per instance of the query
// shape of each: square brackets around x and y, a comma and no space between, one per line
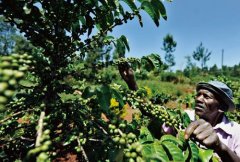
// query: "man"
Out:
[213,130]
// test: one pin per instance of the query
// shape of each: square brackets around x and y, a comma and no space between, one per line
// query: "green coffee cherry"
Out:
[3,86]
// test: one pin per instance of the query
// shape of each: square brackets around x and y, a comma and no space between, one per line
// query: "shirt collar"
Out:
[225,125]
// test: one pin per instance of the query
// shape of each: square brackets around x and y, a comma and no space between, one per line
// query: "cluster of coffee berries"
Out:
[123,61]
[133,153]
[41,152]
[167,116]
[127,141]
[134,99]
[12,69]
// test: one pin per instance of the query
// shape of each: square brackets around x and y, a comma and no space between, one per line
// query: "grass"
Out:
[176,90]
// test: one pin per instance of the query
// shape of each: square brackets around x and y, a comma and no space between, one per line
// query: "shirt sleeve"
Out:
[237,139]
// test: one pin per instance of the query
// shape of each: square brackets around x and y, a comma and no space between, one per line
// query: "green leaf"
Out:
[172,139]
[131,4]
[147,64]
[121,10]
[175,152]
[65,97]
[83,20]
[205,154]
[186,154]
[194,151]
[145,135]
[180,136]
[27,83]
[125,42]
[185,118]
[155,8]
[148,7]
[154,152]
[151,61]
[109,18]
[136,64]
[109,37]
[88,92]
[160,8]
[120,48]
[156,59]
[104,96]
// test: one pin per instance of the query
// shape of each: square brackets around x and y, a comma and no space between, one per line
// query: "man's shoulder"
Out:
[231,126]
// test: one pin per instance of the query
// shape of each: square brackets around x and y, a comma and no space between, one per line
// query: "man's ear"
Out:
[222,108]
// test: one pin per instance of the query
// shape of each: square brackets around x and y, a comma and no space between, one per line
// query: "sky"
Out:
[215,23]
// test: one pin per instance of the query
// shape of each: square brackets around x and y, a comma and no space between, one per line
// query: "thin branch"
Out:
[13,115]
[104,131]
[95,140]
[83,151]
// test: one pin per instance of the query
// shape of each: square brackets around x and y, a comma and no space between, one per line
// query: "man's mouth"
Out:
[199,107]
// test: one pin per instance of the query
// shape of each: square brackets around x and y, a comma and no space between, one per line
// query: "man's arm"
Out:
[204,133]
[128,75]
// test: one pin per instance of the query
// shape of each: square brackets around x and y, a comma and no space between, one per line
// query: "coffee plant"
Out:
[54,103]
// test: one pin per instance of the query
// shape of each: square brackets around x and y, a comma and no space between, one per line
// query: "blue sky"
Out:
[215,23]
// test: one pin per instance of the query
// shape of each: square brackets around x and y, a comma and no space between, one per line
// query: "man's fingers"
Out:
[192,126]
[201,128]
[210,140]
[203,135]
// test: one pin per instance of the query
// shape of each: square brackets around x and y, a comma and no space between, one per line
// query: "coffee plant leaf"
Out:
[180,136]
[159,7]
[185,118]
[145,135]
[172,139]
[175,152]
[66,97]
[151,62]
[88,92]
[148,7]
[154,152]
[120,47]
[125,42]
[131,4]
[147,64]
[194,151]
[156,59]
[205,154]
[27,83]
[104,96]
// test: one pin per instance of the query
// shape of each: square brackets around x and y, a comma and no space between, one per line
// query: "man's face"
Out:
[207,106]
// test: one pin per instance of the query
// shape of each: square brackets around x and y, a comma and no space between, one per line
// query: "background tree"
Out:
[169,46]
[202,55]
[7,34]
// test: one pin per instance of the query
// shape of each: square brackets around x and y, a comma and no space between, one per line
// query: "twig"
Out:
[104,131]
[83,151]
[40,129]
[13,115]
[95,140]
[27,139]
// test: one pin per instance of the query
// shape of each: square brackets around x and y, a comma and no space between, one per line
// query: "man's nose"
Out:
[199,98]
